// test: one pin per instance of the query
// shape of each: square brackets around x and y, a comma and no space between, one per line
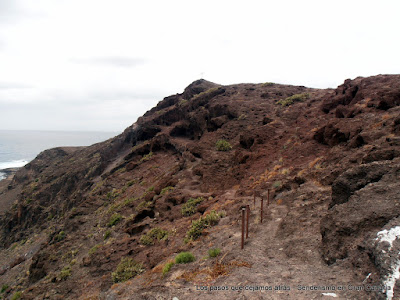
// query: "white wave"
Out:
[2,176]
[13,164]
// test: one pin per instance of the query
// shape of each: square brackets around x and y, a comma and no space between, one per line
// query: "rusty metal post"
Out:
[268,198]
[247,221]
[261,208]
[243,212]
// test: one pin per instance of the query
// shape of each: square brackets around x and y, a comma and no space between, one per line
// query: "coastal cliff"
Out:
[175,181]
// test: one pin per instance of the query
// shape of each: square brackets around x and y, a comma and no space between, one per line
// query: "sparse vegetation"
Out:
[60,236]
[16,296]
[214,252]
[167,267]
[131,182]
[292,99]
[203,222]
[94,249]
[189,208]
[126,269]
[65,272]
[107,234]
[223,145]
[184,258]
[166,190]
[154,234]
[143,205]
[268,84]
[276,184]
[112,194]
[4,288]
[209,91]
[242,117]
[146,157]
[115,219]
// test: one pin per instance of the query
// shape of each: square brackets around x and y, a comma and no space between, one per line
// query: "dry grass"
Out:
[217,269]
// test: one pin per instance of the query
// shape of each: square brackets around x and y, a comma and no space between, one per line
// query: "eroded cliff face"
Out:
[329,157]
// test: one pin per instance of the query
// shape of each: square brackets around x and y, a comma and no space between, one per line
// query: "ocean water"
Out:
[17,148]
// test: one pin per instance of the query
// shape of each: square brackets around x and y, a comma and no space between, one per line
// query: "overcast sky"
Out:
[99,65]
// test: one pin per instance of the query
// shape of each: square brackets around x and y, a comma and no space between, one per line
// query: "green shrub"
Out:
[197,226]
[268,84]
[112,194]
[126,269]
[143,205]
[214,252]
[16,296]
[292,99]
[209,91]
[184,258]
[189,208]
[107,234]
[146,240]
[166,190]
[223,145]
[115,219]
[146,157]
[4,288]
[167,267]
[94,249]
[130,183]
[65,272]
[154,234]
[60,236]
[276,184]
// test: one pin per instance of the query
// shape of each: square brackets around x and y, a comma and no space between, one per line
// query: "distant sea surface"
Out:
[17,148]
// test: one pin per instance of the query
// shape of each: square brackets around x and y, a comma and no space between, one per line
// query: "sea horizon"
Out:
[19,147]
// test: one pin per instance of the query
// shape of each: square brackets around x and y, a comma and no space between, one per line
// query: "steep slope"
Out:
[329,157]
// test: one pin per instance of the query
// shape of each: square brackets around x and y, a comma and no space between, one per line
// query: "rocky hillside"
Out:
[109,221]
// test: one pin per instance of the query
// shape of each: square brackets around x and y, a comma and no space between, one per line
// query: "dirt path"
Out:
[282,266]
[272,268]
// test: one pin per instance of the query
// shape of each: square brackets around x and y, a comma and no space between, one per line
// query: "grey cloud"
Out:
[116,61]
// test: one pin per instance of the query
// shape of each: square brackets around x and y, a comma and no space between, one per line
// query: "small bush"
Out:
[223,145]
[292,99]
[276,184]
[146,157]
[16,296]
[112,194]
[167,267]
[154,234]
[146,240]
[130,183]
[115,219]
[166,190]
[65,272]
[189,208]
[107,234]
[197,226]
[214,252]
[268,84]
[4,288]
[94,249]
[126,269]
[60,236]
[184,258]
[207,92]
[143,205]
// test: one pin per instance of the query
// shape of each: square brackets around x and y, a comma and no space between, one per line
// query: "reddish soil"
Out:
[330,159]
